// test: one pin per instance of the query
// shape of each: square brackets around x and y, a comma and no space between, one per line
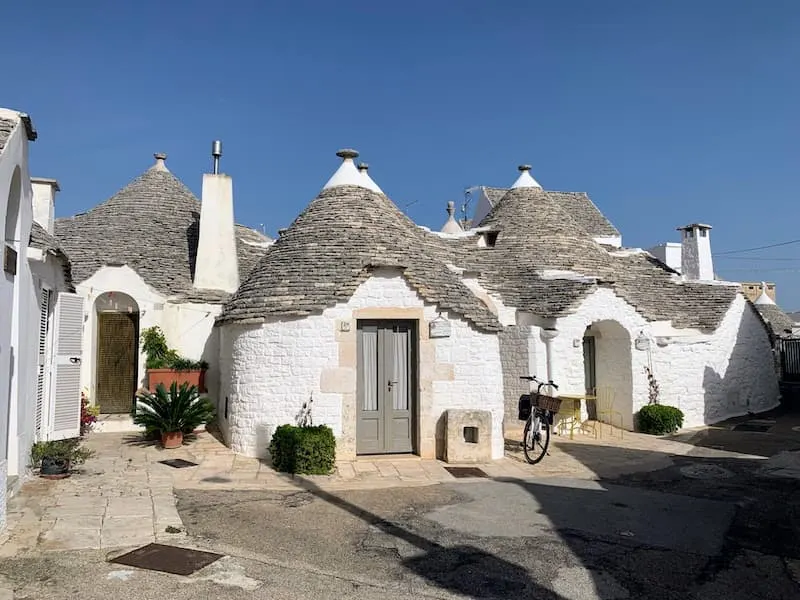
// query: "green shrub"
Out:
[659,419]
[69,449]
[303,450]
[177,409]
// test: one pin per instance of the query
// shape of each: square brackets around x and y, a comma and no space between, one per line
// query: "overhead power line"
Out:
[762,258]
[757,248]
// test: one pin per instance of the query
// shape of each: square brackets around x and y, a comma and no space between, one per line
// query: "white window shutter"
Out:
[43,364]
[66,389]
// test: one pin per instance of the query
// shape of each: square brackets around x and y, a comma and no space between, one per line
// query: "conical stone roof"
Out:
[332,247]
[536,234]
[152,226]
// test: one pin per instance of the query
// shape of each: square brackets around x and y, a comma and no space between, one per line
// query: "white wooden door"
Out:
[65,395]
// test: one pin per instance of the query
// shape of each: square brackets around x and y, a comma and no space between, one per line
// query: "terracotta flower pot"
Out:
[172,439]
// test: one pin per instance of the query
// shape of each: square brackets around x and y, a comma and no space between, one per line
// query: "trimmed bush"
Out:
[658,419]
[303,450]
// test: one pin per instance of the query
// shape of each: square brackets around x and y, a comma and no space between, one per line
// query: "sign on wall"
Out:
[439,328]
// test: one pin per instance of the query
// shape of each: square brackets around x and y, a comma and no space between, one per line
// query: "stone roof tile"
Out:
[151,225]
[332,247]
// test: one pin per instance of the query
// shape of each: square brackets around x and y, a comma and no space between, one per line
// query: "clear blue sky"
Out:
[664,112]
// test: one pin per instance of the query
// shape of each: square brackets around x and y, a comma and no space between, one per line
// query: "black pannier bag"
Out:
[524,407]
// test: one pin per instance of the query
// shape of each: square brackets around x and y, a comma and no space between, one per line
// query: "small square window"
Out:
[703,233]
[471,435]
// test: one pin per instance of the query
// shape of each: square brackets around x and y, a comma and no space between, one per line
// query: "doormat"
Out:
[178,463]
[167,559]
[753,427]
[461,472]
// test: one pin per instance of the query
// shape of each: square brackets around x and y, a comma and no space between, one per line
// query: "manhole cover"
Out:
[168,559]
[753,426]
[461,472]
[178,463]
[705,471]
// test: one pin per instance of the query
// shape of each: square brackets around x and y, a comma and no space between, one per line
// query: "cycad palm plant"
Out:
[172,413]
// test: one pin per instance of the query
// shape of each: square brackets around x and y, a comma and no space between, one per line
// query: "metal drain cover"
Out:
[461,472]
[178,463]
[754,426]
[168,559]
[705,471]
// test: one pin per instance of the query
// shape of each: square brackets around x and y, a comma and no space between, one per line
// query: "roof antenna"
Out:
[465,207]
[216,152]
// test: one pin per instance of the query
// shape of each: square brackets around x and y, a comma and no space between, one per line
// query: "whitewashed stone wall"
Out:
[709,376]
[727,374]
[188,327]
[277,366]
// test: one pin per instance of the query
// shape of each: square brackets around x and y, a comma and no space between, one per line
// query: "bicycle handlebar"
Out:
[539,381]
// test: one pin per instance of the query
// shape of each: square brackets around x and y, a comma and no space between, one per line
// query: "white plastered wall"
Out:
[15,292]
[188,327]
[709,376]
[277,366]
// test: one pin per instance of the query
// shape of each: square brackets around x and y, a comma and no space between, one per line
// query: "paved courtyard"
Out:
[125,497]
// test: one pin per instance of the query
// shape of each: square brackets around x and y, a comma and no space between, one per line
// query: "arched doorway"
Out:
[608,369]
[117,352]
[9,301]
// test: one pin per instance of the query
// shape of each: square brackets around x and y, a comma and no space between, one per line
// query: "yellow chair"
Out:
[569,416]
[605,408]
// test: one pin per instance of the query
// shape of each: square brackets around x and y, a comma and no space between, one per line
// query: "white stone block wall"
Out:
[273,370]
[723,375]
[709,376]
[276,367]
[477,382]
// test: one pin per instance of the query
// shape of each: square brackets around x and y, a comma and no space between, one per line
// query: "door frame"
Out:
[136,317]
[414,390]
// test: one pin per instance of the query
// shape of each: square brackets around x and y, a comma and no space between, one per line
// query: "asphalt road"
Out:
[698,529]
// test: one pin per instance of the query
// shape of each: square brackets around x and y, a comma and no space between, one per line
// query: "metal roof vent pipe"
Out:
[216,153]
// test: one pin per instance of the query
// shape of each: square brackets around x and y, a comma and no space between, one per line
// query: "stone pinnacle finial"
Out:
[363,167]
[160,158]
[451,208]
[523,168]
[346,153]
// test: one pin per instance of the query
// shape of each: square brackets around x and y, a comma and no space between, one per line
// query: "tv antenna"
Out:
[465,206]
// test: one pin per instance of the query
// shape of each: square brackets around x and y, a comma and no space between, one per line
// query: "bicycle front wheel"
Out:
[536,437]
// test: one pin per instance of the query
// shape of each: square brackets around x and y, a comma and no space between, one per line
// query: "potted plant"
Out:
[165,366]
[56,458]
[89,414]
[172,413]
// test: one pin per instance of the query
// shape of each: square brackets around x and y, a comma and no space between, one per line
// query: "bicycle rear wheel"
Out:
[536,437]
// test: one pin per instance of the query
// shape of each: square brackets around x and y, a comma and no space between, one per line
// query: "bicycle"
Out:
[538,413]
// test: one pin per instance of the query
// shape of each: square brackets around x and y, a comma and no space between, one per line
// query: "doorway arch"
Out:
[607,359]
[117,361]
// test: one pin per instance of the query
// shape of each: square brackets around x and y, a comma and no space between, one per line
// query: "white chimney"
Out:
[696,263]
[217,264]
[44,201]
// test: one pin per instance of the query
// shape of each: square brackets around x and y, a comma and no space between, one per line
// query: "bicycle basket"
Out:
[548,403]
[524,407]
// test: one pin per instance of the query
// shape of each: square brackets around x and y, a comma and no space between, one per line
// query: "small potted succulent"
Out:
[172,413]
[56,458]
